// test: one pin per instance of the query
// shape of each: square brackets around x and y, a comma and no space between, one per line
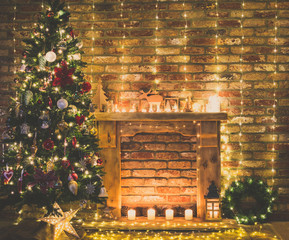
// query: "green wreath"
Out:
[236,202]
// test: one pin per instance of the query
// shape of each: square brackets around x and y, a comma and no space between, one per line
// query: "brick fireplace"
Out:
[159,159]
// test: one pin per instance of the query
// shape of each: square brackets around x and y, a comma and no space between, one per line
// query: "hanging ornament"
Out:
[44,180]
[63,75]
[90,189]
[20,182]
[76,56]
[99,161]
[50,166]
[62,45]
[27,97]
[34,147]
[86,87]
[73,187]
[72,110]
[80,119]
[74,142]
[18,158]
[17,109]
[73,176]
[42,63]
[65,163]
[7,174]
[103,193]
[79,44]
[94,131]
[62,125]
[50,14]
[71,33]
[62,103]
[58,184]
[22,68]
[50,103]
[48,144]
[24,129]
[50,56]
[82,163]
[44,120]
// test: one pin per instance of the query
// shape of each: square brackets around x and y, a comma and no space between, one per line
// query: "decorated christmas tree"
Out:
[50,147]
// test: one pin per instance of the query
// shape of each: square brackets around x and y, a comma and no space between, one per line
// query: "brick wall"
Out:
[126,70]
[158,164]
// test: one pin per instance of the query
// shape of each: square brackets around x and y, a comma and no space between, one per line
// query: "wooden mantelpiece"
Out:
[208,149]
[163,116]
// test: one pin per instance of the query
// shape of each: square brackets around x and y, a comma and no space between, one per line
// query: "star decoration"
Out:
[61,223]
[63,75]
[90,189]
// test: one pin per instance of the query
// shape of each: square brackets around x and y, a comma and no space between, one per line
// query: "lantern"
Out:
[103,193]
[213,203]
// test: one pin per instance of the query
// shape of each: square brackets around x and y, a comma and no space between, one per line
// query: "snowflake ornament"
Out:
[90,189]
[82,163]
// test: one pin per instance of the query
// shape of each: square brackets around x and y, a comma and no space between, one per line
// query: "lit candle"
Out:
[214,104]
[189,214]
[169,214]
[131,214]
[151,214]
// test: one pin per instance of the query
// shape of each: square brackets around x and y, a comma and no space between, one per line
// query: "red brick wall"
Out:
[140,50]
[158,164]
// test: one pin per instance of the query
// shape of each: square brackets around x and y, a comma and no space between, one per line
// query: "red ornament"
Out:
[99,161]
[80,119]
[50,103]
[39,101]
[73,176]
[44,180]
[63,75]
[7,174]
[65,163]
[86,87]
[74,142]
[48,144]
[50,14]
[71,33]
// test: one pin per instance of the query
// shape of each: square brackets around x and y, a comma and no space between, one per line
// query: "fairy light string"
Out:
[92,42]
[185,16]
[274,119]
[217,77]
[156,44]
[122,42]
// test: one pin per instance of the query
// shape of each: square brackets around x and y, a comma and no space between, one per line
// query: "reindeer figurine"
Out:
[153,100]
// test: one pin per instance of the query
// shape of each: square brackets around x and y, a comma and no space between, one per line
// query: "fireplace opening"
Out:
[158,166]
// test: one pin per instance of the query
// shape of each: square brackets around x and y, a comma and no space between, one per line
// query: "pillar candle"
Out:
[151,214]
[169,214]
[189,214]
[131,214]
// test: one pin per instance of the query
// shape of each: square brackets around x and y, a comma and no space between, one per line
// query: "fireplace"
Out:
[159,159]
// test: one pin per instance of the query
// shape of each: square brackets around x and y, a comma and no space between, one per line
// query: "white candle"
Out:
[189,214]
[131,214]
[169,214]
[151,214]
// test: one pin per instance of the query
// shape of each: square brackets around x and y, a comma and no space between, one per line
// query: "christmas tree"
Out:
[50,151]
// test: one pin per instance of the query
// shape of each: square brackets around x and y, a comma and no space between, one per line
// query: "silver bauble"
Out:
[62,103]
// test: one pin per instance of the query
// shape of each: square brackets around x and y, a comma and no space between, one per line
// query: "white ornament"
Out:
[103,193]
[24,128]
[76,56]
[79,44]
[42,62]
[27,97]
[62,103]
[73,187]
[50,56]
[22,68]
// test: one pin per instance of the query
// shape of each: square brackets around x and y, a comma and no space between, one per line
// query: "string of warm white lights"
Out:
[156,43]
[274,119]
[14,37]
[185,42]
[122,43]
[92,41]
[217,77]
[241,157]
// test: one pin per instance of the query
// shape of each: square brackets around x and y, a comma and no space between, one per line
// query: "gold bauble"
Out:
[50,166]
[33,149]
[62,125]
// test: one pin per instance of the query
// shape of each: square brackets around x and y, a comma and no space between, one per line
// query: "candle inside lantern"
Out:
[151,214]
[189,214]
[169,214]
[131,214]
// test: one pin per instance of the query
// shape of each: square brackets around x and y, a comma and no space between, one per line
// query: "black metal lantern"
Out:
[213,212]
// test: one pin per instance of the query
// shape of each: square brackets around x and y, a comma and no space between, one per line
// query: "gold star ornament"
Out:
[62,223]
